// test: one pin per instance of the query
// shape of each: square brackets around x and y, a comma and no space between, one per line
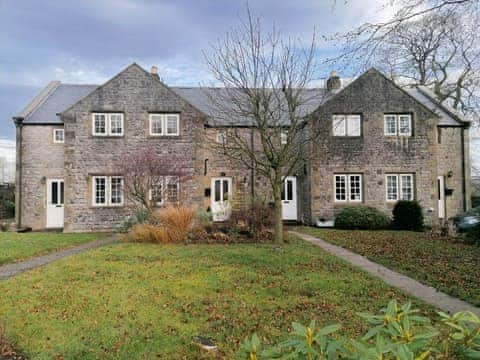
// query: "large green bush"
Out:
[361,217]
[397,333]
[407,215]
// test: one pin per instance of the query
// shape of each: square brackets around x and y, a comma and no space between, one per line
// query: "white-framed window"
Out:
[107,124]
[399,187]
[164,124]
[398,124]
[283,136]
[348,187]
[221,137]
[107,191]
[347,125]
[166,190]
[58,136]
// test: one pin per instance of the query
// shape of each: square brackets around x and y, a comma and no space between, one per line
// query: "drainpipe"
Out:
[18,171]
[464,180]
[252,171]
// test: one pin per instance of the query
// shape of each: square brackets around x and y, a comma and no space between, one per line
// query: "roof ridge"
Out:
[38,100]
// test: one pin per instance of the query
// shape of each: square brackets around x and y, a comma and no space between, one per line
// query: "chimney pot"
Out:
[334,82]
[154,70]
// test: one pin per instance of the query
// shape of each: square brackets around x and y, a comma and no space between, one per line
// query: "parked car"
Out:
[467,220]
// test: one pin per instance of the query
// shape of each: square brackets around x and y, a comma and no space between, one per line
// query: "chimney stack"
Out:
[154,71]
[334,82]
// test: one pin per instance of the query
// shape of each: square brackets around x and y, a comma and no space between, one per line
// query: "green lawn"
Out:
[133,301]
[16,247]
[448,265]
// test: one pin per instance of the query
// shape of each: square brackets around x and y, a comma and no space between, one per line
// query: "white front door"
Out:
[441,197]
[289,198]
[55,192]
[221,195]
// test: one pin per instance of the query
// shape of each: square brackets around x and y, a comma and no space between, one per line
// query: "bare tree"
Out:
[362,42]
[149,177]
[440,52]
[265,80]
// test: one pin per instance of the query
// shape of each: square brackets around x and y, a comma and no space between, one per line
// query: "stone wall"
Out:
[134,93]
[372,154]
[42,159]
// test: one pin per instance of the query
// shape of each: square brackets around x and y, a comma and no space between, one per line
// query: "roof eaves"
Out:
[38,100]
[426,92]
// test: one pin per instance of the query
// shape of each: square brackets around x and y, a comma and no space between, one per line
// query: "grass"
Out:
[450,266]
[16,246]
[144,301]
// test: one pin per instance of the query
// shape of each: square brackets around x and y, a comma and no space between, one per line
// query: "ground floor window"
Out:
[399,187]
[348,187]
[107,191]
[167,189]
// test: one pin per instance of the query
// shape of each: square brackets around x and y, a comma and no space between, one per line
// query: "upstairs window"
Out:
[398,124]
[221,137]
[107,124]
[164,124]
[58,136]
[107,191]
[283,137]
[346,125]
[399,187]
[348,187]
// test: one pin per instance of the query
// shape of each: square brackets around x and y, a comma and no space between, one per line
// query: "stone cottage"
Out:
[378,143]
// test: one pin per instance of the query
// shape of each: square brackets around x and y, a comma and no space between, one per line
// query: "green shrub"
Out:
[9,207]
[473,235]
[407,215]
[398,332]
[361,217]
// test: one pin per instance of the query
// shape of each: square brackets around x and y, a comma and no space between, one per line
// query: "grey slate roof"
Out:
[55,98]
[201,98]
[447,115]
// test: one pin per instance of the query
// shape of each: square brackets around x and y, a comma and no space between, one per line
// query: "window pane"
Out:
[156,194]
[353,125]
[340,187]
[54,195]
[61,192]
[225,190]
[100,190]
[221,137]
[392,188]
[355,187]
[390,125]
[172,124]
[217,190]
[172,189]
[404,125]
[289,190]
[100,123]
[156,124]
[407,187]
[283,191]
[339,125]
[116,194]
[116,124]
[59,135]
[283,137]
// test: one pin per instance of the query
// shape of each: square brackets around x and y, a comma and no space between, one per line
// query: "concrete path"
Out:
[428,294]
[9,270]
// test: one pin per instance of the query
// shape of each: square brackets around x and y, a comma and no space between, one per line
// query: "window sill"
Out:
[106,206]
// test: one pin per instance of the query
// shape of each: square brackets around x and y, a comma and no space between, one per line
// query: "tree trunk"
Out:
[277,196]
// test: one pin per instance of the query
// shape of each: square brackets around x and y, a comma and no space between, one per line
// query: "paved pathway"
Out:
[9,270]
[428,294]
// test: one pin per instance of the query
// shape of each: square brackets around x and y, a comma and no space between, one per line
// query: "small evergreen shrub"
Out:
[473,235]
[361,217]
[407,215]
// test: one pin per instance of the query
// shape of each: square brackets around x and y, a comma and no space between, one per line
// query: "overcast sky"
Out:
[90,41]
